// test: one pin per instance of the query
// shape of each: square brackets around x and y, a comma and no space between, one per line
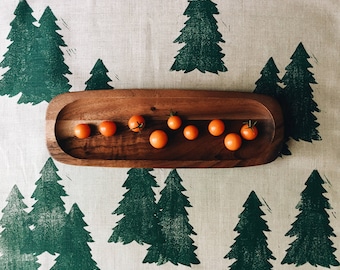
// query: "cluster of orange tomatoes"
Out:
[248,131]
[106,128]
[159,138]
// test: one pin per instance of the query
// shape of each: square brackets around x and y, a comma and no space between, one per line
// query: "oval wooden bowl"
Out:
[130,149]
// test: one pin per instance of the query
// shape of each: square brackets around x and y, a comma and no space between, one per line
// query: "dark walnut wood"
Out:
[130,149]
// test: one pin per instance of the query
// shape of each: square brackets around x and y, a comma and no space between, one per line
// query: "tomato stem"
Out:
[172,113]
[139,125]
[250,123]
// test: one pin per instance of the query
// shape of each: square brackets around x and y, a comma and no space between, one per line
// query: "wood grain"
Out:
[129,149]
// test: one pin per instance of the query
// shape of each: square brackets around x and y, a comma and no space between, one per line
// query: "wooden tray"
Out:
[130,149]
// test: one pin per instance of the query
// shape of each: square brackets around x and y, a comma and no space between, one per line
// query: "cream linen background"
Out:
[135,41]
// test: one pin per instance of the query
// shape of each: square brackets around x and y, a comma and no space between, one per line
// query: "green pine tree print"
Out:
[48,213]
[16,59]
[250,248]
[312,228]
[174,244]
[34,58]
[299,105]
[46,63]
[268,83]
[201,37]
[139,208]
[15,238]
[99,79]
[75,253]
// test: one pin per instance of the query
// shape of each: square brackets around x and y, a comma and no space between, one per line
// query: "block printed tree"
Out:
[17,59]
[34,59]
[299,105]
[201,37]
[46,63]
[48,213]
[139,208]
[75,252]
[174,243]
[99,79]
[312,228]
[15,238]
[250,248]
[268,84]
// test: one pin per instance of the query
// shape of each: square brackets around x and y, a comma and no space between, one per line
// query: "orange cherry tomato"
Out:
[190,132]
[233,141]
[216,127]
[136,123]
[107,128]
[174,122]
[158,139]
[249,131]
[82,131]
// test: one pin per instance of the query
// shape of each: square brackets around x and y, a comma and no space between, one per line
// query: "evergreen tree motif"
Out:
[75,253]
[201,37]
[174,243]
[298,98]
[48,213]
[99,79]
[16,235]
[16,59]
[267,84]
[46,63]
[139,209]
[250,248]
[311,228]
